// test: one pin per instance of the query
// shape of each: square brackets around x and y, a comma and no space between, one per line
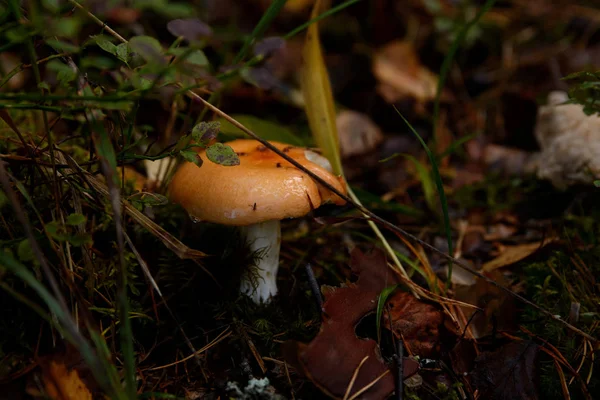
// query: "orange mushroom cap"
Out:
[262,187]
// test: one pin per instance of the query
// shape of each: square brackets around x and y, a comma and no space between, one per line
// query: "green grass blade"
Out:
[325,14]
[440,189]
[260,28]
[426,181]
[107,155]
[381,300]
[98,368]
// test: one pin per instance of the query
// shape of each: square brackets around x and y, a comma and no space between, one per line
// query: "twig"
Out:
[314,287]
[398,358]
[99,21]
[223,335]
[354,376]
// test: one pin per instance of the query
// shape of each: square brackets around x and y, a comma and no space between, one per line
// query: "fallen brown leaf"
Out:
[496,307]
[357,133]
[64,384]
[513,254]
[415,322]
[400,73]
[331,359]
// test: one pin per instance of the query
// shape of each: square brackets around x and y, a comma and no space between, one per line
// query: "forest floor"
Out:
[462,264]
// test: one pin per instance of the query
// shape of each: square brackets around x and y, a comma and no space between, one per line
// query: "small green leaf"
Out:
[196,57]
[67,27]
[106,45]
[76,219]
[191,156]
[148,48]
[596,183]
[64,73]
[61,45]
[222,154]
[56,231]
[122,52]
[51,5]
[44,85]
[24,251]
[80,239]
[204,132]
[149,199]
[383,296]
[192,29]
[139,82]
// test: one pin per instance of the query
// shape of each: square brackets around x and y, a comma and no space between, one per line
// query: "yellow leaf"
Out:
[62,384]
[513,254]
[318,98]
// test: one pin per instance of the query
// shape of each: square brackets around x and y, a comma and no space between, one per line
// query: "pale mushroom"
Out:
[255,195]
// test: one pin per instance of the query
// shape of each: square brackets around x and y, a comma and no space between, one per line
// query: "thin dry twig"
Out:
[354,376]
[222,336]
[367,387]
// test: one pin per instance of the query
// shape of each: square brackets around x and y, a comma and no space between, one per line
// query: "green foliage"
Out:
[556,284]
[585,90]
[191,156]
[205,132]
[381,300]
[222,154]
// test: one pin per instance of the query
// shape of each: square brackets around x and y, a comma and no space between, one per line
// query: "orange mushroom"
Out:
[255,195]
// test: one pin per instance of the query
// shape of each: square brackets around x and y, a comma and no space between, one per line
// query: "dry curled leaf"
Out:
[64,384]
[415,322]
[332,357]
[64,376]
[358,134]
[513,254]
[401,74]
[497,309]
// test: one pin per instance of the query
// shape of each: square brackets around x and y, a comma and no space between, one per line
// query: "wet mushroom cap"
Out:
[262,187]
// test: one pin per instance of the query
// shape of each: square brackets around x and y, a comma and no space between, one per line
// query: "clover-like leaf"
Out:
[204,132]
[76,219]
[122,52]
[268,46]
[149,199]
[191,156]
[196,57]
[191,29]
[148,48]
[24,251]
[106,45]
[56,231]
[222,154]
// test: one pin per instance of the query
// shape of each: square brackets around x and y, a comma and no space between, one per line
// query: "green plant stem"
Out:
[325,14]
[260,28]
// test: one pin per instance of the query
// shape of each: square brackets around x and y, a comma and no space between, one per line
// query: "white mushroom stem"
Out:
[260,283]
